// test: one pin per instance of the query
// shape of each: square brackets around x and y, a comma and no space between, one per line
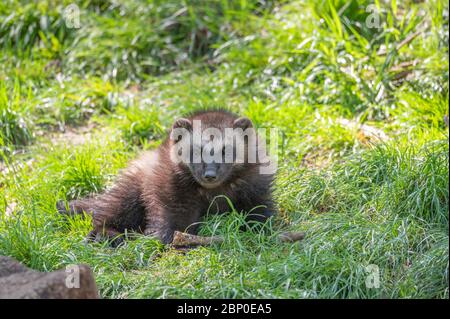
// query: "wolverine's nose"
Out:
[210,175]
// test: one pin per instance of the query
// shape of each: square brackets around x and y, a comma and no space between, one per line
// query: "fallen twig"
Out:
[290,237]
[384,51]
[183,240]
[188,240]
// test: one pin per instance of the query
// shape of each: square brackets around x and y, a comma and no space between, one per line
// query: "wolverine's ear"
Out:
[182,123]
[243,123]
[179,129]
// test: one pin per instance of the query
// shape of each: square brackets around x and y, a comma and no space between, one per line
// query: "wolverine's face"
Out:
[210,153]
[210,169]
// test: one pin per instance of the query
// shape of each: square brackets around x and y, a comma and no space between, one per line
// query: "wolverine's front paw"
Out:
[165,236]
[256,220]
[115,239]
[61,207]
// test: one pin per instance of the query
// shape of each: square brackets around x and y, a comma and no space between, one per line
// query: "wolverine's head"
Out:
[213,146]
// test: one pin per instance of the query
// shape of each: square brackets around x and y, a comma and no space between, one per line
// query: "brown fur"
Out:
[156,196]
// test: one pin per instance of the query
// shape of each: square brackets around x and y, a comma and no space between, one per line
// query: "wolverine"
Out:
[194,171]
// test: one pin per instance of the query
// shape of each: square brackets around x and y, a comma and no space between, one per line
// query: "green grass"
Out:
[312,69]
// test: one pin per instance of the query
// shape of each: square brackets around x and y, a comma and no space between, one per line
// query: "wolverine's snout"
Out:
[210,173]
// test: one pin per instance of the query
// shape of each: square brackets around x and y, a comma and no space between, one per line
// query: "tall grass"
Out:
[15,127]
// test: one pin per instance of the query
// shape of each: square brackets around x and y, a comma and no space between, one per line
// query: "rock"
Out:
[20,282]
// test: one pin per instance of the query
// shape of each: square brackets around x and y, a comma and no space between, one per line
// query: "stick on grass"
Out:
[187,240]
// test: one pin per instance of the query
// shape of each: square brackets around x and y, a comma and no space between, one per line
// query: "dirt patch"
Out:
[10,208]
[366,133]
[74,135]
